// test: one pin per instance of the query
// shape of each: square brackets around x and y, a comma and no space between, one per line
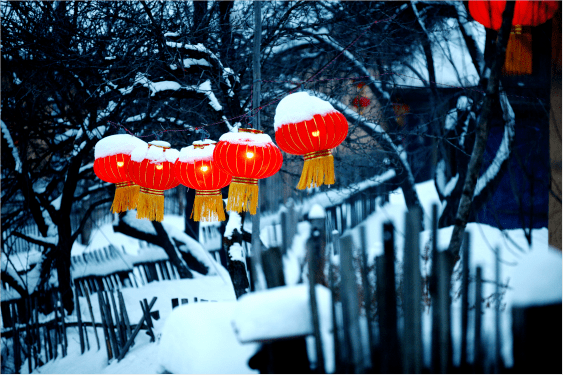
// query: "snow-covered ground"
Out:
[202,337]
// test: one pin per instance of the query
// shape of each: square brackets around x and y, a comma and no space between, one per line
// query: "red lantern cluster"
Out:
[196,169]
[304,125]
[311,127]
[248,156]
[112,155]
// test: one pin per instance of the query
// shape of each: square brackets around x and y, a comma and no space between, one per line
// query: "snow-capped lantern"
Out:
[248,156]
[309,126]
[112,155]
[196,169]
[526,14]
[152,168]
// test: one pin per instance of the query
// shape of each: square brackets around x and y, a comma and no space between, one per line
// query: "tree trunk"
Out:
[482,133]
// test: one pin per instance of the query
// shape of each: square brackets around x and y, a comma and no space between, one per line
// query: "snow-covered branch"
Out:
[15,153]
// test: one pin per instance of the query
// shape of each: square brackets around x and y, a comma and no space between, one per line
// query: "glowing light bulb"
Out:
[204,168]
[159,167]
[315,133]
[120,164]
[250,155]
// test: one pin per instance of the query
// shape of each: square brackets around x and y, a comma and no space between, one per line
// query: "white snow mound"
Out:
[117,144]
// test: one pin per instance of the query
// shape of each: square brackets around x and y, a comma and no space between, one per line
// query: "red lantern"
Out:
[361,102]
[248,155]
[526,14]
[196,169]
[152,168]
[112,155]
[311,127]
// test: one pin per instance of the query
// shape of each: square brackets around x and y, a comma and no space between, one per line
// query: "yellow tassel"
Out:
[150,204]
[208,206]
[126,195]
[318,170]
[243,195]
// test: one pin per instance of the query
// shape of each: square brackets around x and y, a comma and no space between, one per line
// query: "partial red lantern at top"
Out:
[526,13]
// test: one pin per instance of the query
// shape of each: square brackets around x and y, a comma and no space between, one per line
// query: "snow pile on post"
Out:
[281,312]
[317,212]
[198,339]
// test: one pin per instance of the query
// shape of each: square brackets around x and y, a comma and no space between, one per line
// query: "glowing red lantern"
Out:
[196,169]
[152,168]
[309,126]
[112,155]
[248,156]
[526,14]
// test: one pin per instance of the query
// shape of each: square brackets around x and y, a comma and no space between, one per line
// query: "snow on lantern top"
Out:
[156,152]
[117,144]
[299,107]
[199,150]
[247,137]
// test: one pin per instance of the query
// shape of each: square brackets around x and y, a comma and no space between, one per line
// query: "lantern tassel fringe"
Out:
[208,208]
[125,198]
[150,206]
[243,197]
[316,172]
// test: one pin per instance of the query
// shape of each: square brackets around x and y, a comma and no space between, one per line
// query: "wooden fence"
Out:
[393,303]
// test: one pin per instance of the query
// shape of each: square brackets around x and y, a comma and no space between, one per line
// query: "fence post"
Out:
[412,295]
[87,290]
[441,340]
[464,300]
[16,338]
[477,346]
[498,359]
[353,361]
[104,326]
[315,261]
[367,291]
[387,304]
[335,326]
[79,320]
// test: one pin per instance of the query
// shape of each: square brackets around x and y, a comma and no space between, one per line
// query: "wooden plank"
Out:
[497,355]
[412,295]
[90,310]
[79,320]
[387,304]
[27,315]
[442,349]
[464,300]
[367,291]
[135,332]
[314,250]
[110,323]
[146,312]
[353,359]
[125,315]
[335,326]
[16,338]
[105,327]
[121,335]
[478,364]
